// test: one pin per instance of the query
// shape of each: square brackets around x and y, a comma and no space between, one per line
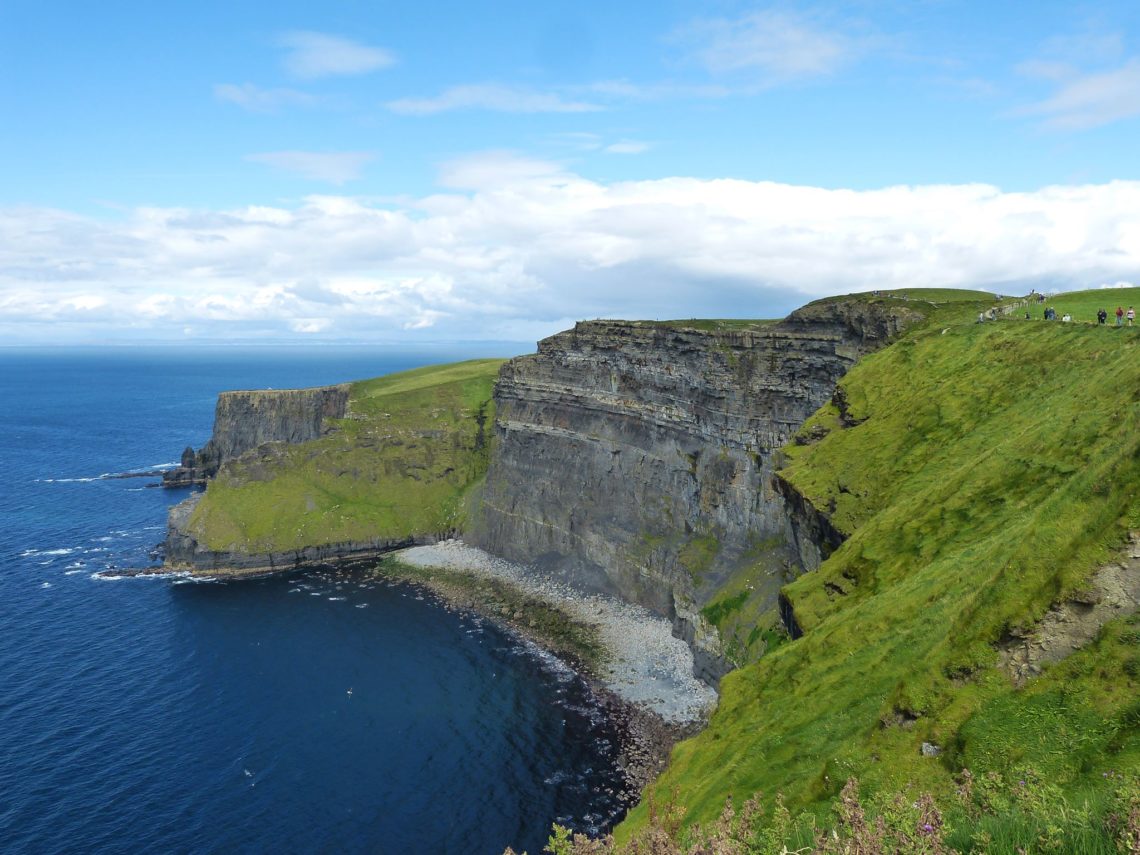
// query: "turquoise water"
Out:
[321,712]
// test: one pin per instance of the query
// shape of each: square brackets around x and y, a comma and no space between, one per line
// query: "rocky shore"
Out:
[644,676]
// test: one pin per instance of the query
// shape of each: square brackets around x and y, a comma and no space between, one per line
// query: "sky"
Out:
[386,172]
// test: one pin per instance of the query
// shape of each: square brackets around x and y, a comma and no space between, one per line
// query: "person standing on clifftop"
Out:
[1119,315]
[1101,316]
[1131,315]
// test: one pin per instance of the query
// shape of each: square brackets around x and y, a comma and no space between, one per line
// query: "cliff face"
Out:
[635,458]
[245,420]
[183,552]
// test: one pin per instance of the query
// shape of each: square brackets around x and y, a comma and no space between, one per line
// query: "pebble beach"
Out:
[647,667]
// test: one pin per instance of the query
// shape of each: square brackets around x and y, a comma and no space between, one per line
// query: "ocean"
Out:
[318,712]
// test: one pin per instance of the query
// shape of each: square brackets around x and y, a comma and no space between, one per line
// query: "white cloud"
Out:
[310,326]
[497,169]
[516,247]
[315,55]
[336,167]
[627,147]
[490,96]
[1086,100]
[580,141]
[259,100]
[779,46]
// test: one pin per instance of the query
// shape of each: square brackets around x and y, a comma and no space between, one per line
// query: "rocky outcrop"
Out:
[1112,592]
[183,553]
[810,531]
[636,458]
[246,420]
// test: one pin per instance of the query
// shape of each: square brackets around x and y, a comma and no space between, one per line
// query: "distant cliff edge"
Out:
[315,476]
[248,419]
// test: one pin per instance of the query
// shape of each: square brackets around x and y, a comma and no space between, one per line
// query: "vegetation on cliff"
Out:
[404,461]
[992,814]
[983,473]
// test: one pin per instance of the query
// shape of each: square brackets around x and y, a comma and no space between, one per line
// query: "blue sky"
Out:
[392,171]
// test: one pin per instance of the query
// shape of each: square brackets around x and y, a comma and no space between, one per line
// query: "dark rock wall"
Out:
[245,420]
[635,459]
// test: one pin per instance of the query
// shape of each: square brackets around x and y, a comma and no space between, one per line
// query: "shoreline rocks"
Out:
[646,688]
[649,666]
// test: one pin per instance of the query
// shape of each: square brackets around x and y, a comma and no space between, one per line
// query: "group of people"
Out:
[1050,314]
[1102,316]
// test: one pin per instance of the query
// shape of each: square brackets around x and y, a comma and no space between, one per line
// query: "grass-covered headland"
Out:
[405,461]
[982,473]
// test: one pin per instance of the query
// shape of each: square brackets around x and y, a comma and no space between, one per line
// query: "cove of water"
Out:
[320,712]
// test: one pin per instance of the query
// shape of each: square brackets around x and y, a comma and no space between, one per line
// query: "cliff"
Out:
[316,475]
[245,420]
[636,458]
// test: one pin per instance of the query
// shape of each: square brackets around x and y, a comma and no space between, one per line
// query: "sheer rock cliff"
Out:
[637,458]
[248,419]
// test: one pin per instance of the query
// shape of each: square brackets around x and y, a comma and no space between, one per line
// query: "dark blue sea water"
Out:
[151,715]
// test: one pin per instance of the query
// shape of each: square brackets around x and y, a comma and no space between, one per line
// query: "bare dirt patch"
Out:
[1114,591]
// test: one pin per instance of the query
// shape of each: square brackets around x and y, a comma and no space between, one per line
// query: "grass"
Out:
[1083,305]
[991,815]
[990,469]
[937,296]
[406,460]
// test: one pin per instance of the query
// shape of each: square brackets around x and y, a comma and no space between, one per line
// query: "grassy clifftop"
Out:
[982,473]
[412,448]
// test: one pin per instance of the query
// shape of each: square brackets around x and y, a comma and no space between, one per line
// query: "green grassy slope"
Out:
[982,474]
[938,296]
[1083,305]
[414,446]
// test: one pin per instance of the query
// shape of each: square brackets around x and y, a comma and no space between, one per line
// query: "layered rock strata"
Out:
[636,458]
[246,420]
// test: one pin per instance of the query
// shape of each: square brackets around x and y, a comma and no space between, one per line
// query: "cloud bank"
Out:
[513,248]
